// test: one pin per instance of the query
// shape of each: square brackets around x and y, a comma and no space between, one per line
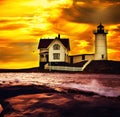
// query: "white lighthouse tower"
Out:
[100,43]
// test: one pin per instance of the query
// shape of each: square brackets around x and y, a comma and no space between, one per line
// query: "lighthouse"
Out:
[100,43]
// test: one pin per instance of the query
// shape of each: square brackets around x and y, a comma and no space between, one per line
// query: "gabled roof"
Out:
[44,43]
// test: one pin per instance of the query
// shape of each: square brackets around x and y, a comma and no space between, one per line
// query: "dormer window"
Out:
[56,47]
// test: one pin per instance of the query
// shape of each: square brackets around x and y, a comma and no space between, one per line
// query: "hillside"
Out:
[112,67]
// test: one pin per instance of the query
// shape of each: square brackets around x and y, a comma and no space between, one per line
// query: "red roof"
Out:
[44,43]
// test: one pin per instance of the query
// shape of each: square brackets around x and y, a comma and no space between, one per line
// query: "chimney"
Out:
[58,36]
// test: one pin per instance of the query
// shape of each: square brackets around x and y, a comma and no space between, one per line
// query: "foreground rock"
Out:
[42,101]
[61,105]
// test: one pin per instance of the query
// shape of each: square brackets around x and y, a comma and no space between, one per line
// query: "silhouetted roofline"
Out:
[44,43]
[100,25]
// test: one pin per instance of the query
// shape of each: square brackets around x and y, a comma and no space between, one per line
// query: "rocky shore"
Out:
[42,101]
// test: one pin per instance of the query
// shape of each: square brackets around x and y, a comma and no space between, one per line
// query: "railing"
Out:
[96,31]
[86,64]
[46,66]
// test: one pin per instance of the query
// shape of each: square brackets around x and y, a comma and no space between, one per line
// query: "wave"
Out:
[95,87]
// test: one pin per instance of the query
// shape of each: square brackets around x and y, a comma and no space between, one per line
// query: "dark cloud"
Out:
[17,51]
[111,1]
[101,1]
[78,14]
[86,1]
[92,13]
[113,13]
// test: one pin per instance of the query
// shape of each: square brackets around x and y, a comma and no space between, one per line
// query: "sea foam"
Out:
[96,87]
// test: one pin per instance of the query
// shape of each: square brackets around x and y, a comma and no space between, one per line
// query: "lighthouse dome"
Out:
[100,26]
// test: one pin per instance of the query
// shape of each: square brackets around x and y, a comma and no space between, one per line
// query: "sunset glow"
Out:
[24,22]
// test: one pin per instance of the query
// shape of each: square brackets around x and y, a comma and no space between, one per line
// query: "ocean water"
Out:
[104,85]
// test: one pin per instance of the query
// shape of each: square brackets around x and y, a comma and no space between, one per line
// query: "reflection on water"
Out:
[105,85]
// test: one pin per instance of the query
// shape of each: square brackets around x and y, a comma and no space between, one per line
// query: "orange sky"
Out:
[24,22]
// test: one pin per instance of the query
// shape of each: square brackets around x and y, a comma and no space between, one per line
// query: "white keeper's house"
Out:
[54,53]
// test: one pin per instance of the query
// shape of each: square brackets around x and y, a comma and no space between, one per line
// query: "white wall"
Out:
[62,52]
[89,57]
[100,47]
[77,59]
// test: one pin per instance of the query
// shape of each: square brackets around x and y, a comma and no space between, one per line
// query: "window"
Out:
[56,56]
[56,47]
